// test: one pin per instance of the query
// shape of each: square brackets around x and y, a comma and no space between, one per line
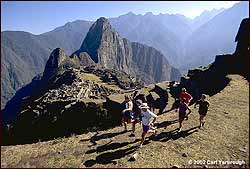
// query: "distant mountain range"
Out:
[184,42]
[204,17]
[214,37]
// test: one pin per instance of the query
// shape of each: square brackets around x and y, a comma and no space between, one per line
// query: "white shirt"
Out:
[147,117]
[129,105]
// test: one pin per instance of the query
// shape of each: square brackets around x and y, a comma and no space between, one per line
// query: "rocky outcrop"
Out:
[105,46]
[56,58]
[108,49]
[242,51]
[150,64]
[60,118]
[85,59]
[70,103]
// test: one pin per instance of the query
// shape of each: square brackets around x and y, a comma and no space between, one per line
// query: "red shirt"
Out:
[186,96]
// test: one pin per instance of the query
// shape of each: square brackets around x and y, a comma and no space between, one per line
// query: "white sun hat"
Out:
[144,106]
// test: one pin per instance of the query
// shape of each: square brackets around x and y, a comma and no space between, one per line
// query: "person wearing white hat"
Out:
[148,119]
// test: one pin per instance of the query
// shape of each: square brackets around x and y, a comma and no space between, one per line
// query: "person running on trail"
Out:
[137,116]
[203,108]
[183,107]
[127,112]
[148,119]
[185,95]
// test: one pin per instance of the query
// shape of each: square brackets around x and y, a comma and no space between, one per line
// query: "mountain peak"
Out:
[93,37]
[149,14]
[55,60]
[130,13]
[102,20]
[101,24]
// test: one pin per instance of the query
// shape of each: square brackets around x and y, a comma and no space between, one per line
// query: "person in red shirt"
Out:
[186,96]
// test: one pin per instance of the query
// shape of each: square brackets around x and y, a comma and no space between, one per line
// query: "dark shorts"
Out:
[128,116]
[176,104]
[126,119]
[182,116]
[203,113]
[136,118]
[145,128]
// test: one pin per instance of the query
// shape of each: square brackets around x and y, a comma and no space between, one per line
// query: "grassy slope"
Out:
[225,132]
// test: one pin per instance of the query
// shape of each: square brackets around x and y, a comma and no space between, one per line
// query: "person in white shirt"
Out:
[148,119]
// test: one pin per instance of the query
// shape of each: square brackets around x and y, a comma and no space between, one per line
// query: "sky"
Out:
[38,17]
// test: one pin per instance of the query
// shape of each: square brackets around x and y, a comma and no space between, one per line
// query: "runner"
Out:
[137,116]
[203,108]
[185,95]
[183,107]
[148,119]
[127,112]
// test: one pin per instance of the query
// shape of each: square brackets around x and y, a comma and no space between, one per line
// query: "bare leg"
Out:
[125,125]
[200,121]
[203,121]
[143,138]
[133,127]
[180,124]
